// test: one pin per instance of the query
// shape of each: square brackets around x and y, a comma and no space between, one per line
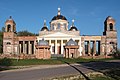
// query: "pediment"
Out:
[58,34]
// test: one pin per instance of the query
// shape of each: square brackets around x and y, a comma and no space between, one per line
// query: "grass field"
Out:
[25,62]
[109,74]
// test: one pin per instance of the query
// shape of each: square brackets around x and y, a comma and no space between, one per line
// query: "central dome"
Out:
[59,16]
[59,22]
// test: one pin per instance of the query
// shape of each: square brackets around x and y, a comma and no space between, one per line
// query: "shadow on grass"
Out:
[111,69]
[87,78]
[5,63]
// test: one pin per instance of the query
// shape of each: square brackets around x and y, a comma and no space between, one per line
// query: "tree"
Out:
[26,33]
[1,39]
[2,29]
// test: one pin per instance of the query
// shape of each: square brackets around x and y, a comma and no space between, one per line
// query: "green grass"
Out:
[25,62]
[81,60]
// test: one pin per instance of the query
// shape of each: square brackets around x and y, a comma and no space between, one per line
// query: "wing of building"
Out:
[59,40]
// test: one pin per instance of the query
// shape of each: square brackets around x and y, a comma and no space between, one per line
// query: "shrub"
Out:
[5,62]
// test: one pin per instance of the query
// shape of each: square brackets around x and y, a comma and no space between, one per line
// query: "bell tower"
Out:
[10,28]
[10,25]
[111,35]
[9,36]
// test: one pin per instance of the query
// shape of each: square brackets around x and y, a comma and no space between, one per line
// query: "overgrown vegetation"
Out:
[1,39]
[116,54]
[26,33]
[5,62]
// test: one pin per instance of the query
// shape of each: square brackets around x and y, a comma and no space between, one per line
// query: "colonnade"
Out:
[61,45]
[91,47]
[56,46]
[26,47]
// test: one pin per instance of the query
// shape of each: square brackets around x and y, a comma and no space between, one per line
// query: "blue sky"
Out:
[89,15]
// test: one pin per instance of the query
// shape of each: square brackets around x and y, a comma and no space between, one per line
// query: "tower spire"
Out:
[58,11]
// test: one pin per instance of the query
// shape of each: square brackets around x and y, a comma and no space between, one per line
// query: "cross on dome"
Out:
[73,22]
[44,23]
[58,11]
[10,17]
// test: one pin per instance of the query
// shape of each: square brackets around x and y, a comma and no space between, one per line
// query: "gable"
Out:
[59,34]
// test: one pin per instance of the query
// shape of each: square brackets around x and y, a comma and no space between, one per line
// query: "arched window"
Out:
[58,27]
[52,27]
[111,26]
[65,25]
[14,29]
[8,28]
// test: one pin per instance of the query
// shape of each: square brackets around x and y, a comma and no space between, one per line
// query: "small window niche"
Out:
[8,28]
[111,26]
[8,43]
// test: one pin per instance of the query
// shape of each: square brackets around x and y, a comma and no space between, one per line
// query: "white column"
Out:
[79,43]
[61,46]
[50,46]
[29,49]
[55,46]
[19,48]
[23,46]
[94,48]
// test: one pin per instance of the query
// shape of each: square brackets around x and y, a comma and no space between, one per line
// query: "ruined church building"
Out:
[59,40]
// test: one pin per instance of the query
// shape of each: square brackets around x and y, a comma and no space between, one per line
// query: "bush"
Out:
[5,62]
[117,54]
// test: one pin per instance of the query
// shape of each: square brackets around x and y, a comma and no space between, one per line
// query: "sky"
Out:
[89,15]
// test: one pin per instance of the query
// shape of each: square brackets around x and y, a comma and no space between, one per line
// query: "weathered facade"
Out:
[58,37]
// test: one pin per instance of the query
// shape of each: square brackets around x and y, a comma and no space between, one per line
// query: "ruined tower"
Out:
[111,35]
[9,37]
